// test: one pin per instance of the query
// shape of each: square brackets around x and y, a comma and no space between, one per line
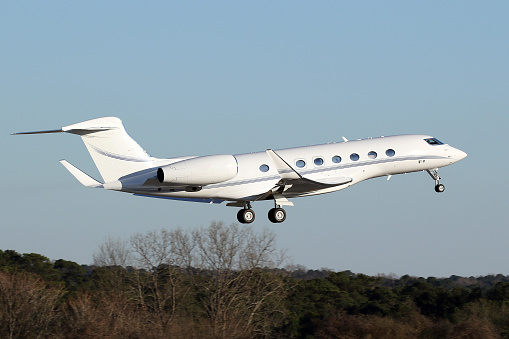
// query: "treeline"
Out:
[227,282]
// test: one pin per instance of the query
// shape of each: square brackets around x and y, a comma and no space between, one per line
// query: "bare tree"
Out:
[224,272]
[113,252]
[112,315]
[161,284]
[241,285]
[113,256]
[27,305]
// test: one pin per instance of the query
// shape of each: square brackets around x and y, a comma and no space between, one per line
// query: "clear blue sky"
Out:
[198,78]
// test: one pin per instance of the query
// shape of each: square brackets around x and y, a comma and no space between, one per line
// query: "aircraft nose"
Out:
[459,154]
[462,155]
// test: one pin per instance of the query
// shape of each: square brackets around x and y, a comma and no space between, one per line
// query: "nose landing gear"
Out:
[439,188]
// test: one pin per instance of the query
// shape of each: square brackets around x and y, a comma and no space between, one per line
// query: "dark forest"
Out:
[228,282]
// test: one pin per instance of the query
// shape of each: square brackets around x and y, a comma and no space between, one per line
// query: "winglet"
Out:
[285,170]
[82,177]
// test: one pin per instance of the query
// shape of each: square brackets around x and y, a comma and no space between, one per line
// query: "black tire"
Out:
[271,215]
[240,216]
[246,216]
[277,215]
[439,188]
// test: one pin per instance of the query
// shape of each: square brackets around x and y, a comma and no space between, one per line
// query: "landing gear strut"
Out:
[246,215]
[439,188]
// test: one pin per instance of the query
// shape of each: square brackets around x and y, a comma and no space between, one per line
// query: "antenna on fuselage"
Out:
[345,139]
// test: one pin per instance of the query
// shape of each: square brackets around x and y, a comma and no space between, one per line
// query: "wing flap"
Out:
[332,181]
[202,200]
[305,185]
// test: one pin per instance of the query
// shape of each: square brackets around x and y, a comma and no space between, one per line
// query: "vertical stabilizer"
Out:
[114,152]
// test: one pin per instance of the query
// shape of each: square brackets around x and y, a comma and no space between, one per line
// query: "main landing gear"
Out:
[277,214]
[247,215]
[439,188]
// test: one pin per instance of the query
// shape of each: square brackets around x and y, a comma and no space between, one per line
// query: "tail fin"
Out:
[114,152]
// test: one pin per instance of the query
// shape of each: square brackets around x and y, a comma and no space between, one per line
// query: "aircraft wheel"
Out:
[246,216]
[439,188]
[271,215]
[277,215]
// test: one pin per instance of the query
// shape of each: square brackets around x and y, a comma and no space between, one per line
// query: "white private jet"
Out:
[244,178]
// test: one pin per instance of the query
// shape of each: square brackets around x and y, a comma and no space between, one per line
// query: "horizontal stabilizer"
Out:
[82,177]
[82,128]
[114,152]
[40,132]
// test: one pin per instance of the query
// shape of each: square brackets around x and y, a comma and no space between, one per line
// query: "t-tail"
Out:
[114,152]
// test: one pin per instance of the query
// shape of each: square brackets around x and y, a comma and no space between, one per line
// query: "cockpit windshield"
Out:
[433,141]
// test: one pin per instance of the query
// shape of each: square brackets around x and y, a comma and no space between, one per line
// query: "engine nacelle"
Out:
[205,170]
